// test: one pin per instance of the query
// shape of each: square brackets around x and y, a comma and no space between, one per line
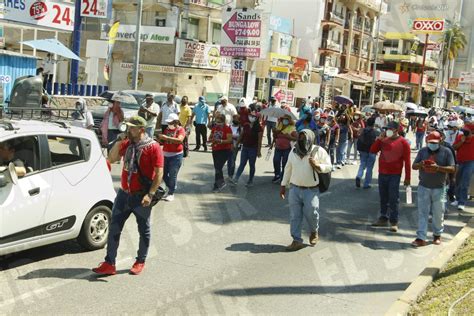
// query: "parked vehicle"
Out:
[67,192]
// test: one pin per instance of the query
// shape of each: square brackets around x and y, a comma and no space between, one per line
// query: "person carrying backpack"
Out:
[367,159]
[302,173]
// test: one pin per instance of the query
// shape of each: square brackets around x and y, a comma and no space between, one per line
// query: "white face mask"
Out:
[389,133]
[252,119]
[356,117]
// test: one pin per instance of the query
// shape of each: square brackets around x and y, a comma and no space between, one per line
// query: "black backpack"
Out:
[324,178]
[366,139]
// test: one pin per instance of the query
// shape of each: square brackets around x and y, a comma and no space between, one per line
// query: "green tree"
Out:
[454,41]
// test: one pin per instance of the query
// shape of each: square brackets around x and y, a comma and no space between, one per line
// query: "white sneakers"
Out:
[169,198]
[460,207]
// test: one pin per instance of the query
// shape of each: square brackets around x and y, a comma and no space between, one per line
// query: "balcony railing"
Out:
[329,44]
[357,26]
[336,17]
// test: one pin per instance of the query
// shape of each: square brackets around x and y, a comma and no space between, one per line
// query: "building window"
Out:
[193,28]
[160,19]
[216,33]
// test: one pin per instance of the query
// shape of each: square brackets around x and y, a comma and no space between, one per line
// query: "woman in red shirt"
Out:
[172,138]
[420,126]
[221,139]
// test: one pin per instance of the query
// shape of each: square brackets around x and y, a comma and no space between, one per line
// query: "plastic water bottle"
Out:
[409,196]
[269,154]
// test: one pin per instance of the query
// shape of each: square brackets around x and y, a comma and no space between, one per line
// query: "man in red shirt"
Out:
[464,146]
[141,176]
[394,153]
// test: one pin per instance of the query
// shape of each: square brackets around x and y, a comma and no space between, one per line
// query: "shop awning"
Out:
[456,91]
[360,79]
[393,85]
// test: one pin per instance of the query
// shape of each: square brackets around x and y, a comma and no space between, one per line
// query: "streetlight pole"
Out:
[376,53]
[136,62]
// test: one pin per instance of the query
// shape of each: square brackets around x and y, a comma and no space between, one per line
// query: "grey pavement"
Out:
[224,254]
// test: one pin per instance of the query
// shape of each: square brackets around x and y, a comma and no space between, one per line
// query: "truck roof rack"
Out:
[57,116]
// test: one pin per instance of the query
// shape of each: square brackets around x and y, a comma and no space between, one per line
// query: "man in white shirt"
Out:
[166,109]
[301,173]
[48,69]
[149,111]
[227,109]
[271,121]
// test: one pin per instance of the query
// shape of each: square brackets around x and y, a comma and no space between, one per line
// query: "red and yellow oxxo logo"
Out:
[428,25]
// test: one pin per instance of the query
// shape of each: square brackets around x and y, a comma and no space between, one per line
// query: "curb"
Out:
[418,286]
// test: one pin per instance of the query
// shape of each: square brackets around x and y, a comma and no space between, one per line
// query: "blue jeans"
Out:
[341,152]
[430,201]
[419,139]
[124,205]
[303,203]
[367,161]
[279,161]
[389,185]
[270,126]
[465,170]
[248,155]
[150,131]
[170,171]
[231,162]
[352,144]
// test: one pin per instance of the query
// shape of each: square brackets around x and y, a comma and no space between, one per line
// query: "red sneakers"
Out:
[137,268]
[105,268]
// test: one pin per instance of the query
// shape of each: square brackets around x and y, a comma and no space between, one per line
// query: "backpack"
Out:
[324,178]
[365,140]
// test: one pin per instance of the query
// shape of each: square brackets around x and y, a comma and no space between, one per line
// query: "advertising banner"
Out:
[95,8]
[237,79]
[197,55]
[45,13]
[428,26]
[466,77]
[242,33]
[149,34]
[283,95]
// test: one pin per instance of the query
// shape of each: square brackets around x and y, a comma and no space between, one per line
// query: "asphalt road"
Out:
[224,254]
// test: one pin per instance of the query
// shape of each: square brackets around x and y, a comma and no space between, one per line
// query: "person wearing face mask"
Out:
[201,112]
[221,139]
[110,124]
[453,131]
[304,162]
[173,149]
[367,159]
[236,129]
[323,131]
[169,107]
[82,116]
[283,135]
[421,128]
[434,162]
[464,146]
[334,132]
[357,126]
[251,140]
[226,109]
[306,122]
[149,111]
[142,173]
[394,156]
[345,133]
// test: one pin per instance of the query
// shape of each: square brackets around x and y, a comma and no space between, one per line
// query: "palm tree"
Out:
[454,41]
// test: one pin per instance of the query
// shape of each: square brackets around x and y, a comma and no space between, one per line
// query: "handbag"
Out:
[146,183]
[324,178]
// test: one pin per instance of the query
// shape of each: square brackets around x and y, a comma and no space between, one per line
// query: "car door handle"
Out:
[34,191]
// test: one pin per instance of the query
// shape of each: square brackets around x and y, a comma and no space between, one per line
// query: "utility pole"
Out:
[376,53]
[420,86]
[76,44]
[136,63]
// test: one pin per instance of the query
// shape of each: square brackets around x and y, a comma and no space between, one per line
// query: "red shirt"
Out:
[150,158]
[465,153]
[244,115]
[421,127]
[249,139]
[360,125]
[175,133]
[393,154]
[221,133]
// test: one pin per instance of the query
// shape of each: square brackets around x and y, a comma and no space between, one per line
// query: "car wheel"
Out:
[95,228]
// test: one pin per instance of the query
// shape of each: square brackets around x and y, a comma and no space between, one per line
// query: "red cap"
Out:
[469,127]
[433,137]
[324,115]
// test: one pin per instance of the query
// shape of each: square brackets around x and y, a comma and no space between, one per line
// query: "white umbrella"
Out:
[277,112]
[411,106]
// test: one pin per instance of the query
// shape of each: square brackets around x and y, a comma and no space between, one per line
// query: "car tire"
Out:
[95,228]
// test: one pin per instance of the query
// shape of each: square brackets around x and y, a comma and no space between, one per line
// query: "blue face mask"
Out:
[433,147]
[286,122]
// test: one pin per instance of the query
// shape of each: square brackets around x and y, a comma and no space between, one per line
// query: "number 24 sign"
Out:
[94,8]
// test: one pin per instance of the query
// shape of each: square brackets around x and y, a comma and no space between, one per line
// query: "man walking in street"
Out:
[271,121]
[227,109]
[304,162]
[149,111]
[434,163]
[367,159]
[394,155]
[169,107]
[141,176]
[200,117]
[464,146]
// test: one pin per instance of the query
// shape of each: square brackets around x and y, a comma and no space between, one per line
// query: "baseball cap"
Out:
[148,95]
[173,117]
[273,99]
[392,125]
[202,99]
[136,121]
[433,137]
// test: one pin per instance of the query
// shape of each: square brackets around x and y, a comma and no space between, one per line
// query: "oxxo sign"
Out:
[428,25]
